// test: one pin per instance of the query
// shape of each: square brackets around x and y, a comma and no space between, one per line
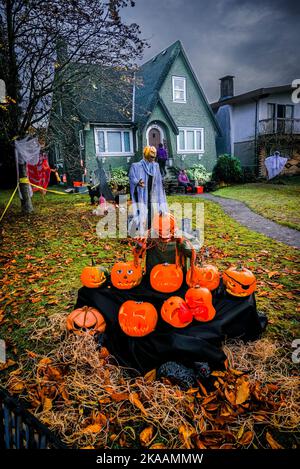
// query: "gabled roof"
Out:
[252,95]
[152,75]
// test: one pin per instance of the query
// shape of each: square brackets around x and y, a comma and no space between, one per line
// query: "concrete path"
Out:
[241,213]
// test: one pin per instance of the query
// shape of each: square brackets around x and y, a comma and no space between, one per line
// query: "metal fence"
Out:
[19,429]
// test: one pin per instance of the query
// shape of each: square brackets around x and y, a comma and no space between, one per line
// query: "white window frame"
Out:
[81,139]
[191,129]
[174,77]
[113,153]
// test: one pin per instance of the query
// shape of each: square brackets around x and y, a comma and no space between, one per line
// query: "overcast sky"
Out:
[256,41]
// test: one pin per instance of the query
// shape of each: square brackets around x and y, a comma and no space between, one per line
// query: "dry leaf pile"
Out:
[89,401]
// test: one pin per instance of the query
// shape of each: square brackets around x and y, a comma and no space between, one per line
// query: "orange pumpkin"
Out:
[137,318]
[199,300]
[205,275]
[164,225]
[166,278]
[176,312]
[86,320]
[93,276]
[126,275]
[149,152]
[239,281]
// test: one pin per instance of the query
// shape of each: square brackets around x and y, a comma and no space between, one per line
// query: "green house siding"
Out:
[193,113]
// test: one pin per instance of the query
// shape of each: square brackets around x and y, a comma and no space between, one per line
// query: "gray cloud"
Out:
[257,41]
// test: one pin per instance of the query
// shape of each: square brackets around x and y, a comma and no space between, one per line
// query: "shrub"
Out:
[199,173]
[119,179]
[248,175]
[227,169]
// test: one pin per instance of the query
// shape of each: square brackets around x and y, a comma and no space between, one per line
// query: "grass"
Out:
[43,254]
[278,202]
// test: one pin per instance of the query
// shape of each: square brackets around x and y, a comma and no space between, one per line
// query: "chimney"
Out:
[226,88]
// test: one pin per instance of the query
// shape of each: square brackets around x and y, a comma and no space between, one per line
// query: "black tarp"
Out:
[235,318]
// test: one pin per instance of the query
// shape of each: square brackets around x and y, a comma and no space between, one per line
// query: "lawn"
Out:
[278,202]
[42,256]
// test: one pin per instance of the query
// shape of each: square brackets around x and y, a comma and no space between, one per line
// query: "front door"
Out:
[154,137]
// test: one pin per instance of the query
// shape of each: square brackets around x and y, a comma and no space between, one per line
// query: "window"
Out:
[113,142]
[179,89]
[190,140]
[81,139]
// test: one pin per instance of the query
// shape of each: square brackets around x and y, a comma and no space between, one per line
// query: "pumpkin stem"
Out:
[239,266]
[93,262]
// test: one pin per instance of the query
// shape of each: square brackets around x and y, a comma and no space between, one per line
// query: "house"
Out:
[113,114]
[257,123]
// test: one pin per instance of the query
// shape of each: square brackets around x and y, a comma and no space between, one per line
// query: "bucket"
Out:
[199,189]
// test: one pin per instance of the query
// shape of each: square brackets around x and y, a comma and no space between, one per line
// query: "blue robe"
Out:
[140,195]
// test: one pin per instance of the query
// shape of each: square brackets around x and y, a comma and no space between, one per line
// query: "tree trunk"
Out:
[26,202]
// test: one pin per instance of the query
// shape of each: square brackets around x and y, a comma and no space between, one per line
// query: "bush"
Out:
[228,169]
[119,179]
[199,173]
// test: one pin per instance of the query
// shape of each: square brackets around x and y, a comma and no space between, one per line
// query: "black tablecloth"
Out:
[235,318]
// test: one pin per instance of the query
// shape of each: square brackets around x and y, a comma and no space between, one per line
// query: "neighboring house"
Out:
[257,123]
[115,114]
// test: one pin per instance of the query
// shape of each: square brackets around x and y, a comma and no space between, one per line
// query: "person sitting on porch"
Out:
[162,158]
[183,180]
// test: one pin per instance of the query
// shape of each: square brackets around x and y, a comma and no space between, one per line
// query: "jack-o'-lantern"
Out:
[167,278]
[205,275]
[176,312]
[164,225]
[149,152]
[137,318]
[86,320]
[199,300]
[93,276]
[126,275]
[239,281]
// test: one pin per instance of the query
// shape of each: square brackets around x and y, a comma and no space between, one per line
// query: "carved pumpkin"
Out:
[176,312]
[239,281]
[149,152]
[93,276]
[166,278]
[86,320]
[137,318]
[126,275]
[199,300]
[164,225]
[205,275]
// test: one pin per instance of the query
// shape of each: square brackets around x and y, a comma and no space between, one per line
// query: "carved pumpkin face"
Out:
[93,276]
[164,225]
[137,319]
[176,312]
[239,281]
[199,300]
[166,278]
[205,275]
[126,275]
[149,153]
[86,320]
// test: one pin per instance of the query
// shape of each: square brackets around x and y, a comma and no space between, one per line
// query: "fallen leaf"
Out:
[243,390]
[246,438]
[150,376]
[273,443]
[134,399]
[146,436]
[94,428]
[47,404]
[158,446]
[186,433]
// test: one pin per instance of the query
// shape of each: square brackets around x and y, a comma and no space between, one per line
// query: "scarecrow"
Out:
[147,192]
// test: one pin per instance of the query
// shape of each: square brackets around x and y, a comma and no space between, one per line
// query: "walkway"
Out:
[241,213]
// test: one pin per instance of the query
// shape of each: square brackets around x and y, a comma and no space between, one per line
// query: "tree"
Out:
[35,35]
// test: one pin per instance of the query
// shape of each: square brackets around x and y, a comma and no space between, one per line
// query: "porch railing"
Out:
[279,126]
